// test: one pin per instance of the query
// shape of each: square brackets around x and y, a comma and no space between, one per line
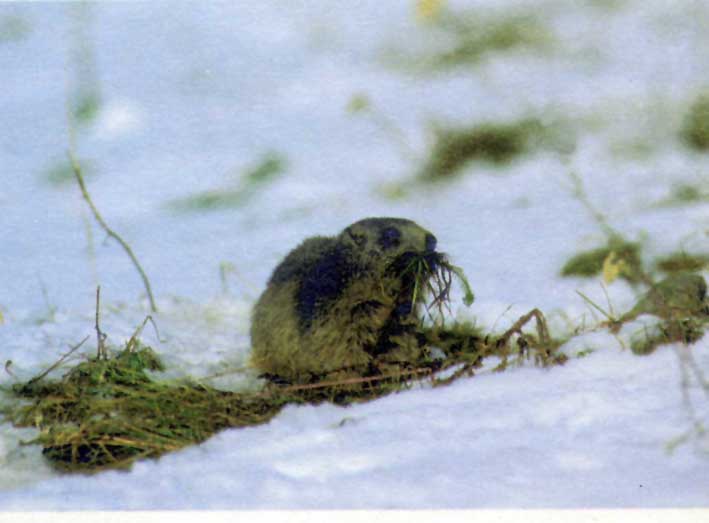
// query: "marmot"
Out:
[338,305]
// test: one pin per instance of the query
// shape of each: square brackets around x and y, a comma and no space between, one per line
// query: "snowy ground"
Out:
[193,93]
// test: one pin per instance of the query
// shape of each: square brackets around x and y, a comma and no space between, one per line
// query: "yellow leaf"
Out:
[428,9]
[613,267]
[2,319]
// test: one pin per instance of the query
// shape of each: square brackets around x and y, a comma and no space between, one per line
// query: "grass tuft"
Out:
[682,262]
[626,256]
[695,129]
[496,143]
[471,37]
[106,413]
[647,340]
[270,167]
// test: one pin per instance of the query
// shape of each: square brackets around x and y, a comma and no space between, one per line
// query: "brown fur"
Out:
[335,304]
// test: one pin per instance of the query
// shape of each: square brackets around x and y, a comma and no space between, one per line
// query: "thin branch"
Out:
[80,179]
[353,381]
[132,342]
[101,351]
[59,362]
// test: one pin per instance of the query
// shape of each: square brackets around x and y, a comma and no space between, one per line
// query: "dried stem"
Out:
[133,341]
[72,350]
[516,328]
[352,381]
[100,336]
[110,232]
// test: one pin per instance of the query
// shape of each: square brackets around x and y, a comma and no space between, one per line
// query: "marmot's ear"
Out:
[358,238]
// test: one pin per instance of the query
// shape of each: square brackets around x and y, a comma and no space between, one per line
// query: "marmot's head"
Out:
[387,241]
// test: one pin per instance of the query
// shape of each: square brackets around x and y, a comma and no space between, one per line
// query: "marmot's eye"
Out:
[389,238]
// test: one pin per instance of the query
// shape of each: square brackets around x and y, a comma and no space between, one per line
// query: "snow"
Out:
[195,93]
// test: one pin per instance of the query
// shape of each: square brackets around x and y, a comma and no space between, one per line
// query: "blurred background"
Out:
[215,136]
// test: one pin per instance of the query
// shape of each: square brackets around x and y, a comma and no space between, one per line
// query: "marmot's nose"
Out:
[431,243]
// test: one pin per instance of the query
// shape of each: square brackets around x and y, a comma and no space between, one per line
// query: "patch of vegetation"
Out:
[271,166]
[106,413]
[686,331]
[496,143]
[695,129]
[684,194]
[687,193]
[679,301]
[474,36]
[677,297]
[683,262]
[624,255]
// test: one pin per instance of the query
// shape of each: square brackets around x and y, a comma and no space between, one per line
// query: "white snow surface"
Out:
[195,92]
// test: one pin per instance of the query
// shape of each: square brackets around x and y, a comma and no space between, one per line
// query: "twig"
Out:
[516,328]
[100,336]
[76,167]
[352,381]
[133,339]
[57,363]
[467,369]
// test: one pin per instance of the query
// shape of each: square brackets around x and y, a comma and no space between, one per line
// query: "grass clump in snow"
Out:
[677,297]
[475,38]
[648,340]
[108,412]
[496,143]
[682,262]
[695,130]
[618,253]
[471,36]
[680,302]
[684,194]
[271,166]
[687,193]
